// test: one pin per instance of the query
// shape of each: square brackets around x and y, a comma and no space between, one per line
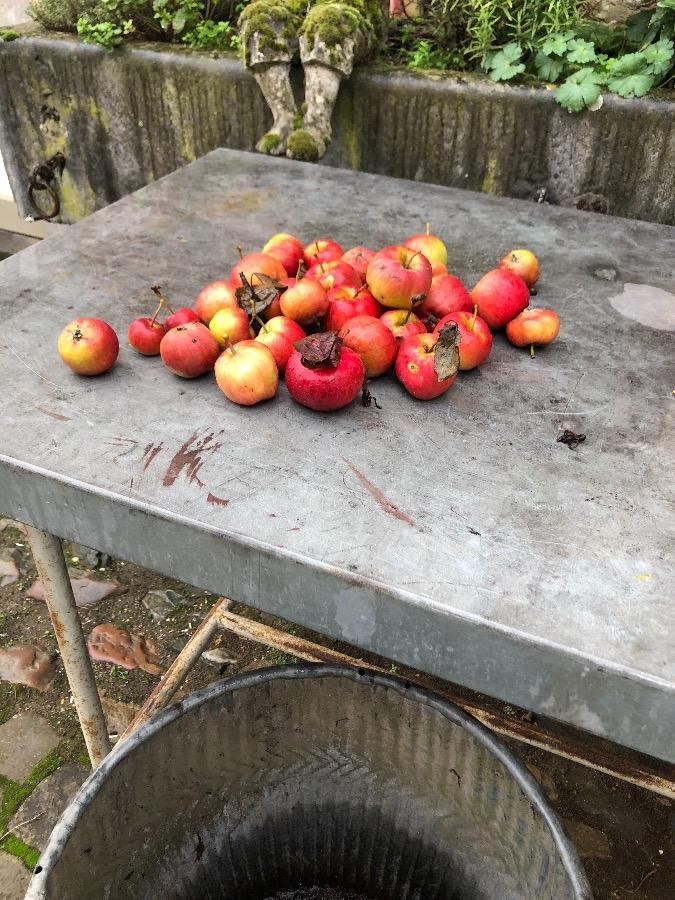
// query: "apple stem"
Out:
[157,291]
[428,224]
[299,270]
[255,317]
[240,251]
[229,344]
[475,314]
[532,351]
[407,318]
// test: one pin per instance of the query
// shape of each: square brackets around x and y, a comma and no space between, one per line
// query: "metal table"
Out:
[456,536]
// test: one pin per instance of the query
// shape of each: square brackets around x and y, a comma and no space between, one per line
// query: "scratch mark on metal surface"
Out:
[121,441]
[189,458]
[379,497]
[150,453]
[31,369]
[54,415]
[216,501]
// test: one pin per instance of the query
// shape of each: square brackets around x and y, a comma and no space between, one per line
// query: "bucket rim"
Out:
[298,671]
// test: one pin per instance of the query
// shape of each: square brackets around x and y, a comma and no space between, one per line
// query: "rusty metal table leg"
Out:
[51,566]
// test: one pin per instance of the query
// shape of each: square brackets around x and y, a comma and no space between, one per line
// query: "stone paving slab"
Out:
[34,820]
[24,740]
[14,877]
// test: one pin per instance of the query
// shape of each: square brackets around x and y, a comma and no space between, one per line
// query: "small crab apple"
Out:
[399,277]
[229,326]
[279,334]
[334,274]
[287,249]
[145,334]
[402,323]
[247,373]
[212,297]
[189,350]
[304,301]
[475,338]
[432,247]
[322,250]
[322,374]
[533,328]
[256,264]
[427,364]
[447,294]
[346,302]
[373,341]
[180,317]
[500,295]
[358,258]
[523,263]
[88,346]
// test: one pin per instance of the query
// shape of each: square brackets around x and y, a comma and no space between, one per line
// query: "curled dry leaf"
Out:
[320,349]
[446,354]
[254,299]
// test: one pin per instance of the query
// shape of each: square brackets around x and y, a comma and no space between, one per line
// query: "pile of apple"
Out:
[327,320]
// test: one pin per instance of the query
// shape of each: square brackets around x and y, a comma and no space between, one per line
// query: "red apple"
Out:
[399,277]
[373,341]
[346,302]
[88,346]
[279,334]
[287,249]
[359,258]
[274,309]
[304,301]
[500,295]
[533,327]
[415,367]
[334,274]
[523,263]
[322,250]
[145,335]
[246,373]
[325,387]
[447,294]
[402,323]
[253,264]
[475,338]
[189,350]
[180,317]
[432,247]
[215,296]
[229,326]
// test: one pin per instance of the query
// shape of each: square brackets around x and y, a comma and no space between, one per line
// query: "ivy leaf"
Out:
[548,68]
[254,299]
[659,56]
[580,51]
[556,44]
[580,90]
[320,349]
[505,63]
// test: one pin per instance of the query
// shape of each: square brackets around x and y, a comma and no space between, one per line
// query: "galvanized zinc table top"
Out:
[457,536]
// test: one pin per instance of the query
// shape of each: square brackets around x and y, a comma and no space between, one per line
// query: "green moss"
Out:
[301,145]
[274,21]
[82,759]
[269,142]
[332,24]
[298,120]
[28,855]
[9,35]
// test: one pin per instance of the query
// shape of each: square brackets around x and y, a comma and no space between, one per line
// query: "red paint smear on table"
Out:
[379,497]
[150,453]
[189,459]
[216,501]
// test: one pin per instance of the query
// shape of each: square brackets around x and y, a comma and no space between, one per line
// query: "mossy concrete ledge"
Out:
[128,117]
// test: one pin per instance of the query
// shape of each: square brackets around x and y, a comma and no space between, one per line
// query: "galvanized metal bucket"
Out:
[309,776]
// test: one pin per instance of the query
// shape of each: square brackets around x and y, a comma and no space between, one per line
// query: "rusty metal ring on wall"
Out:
[56,203]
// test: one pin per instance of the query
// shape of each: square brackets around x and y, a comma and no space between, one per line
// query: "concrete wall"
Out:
[125,118]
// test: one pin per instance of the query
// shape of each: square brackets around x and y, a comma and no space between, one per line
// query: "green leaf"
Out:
[580,90]
[179,20]
[638,25]
[548,68]
[580,51]
[636,85]
[556,44]
[505,63]
[659,56]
